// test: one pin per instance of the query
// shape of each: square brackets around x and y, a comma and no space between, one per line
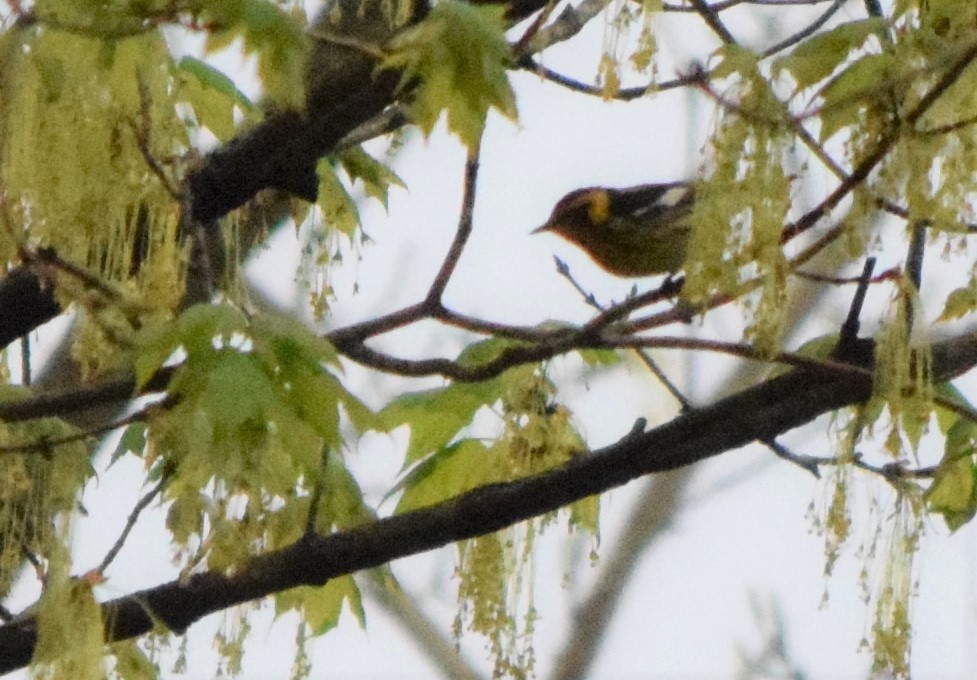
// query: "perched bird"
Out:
[631,232]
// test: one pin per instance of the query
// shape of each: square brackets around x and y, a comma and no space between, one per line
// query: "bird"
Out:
[629,232]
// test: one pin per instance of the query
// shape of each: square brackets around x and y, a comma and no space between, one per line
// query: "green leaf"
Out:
[133,440]
[458,56]
[960,302]
[236,391]
[213,96]
[585,515]
[376,177]
[853,89]
[185,516]
[287,524]
[487,350]
[195,331]
[321,606]
[274,37]
[131,663]
[817,57]
[436,416]
[338,208]
[453,470]
[341,506]
[953,492]
[948,418]
[821,347]
[599,357]
[734,60]
[297,359]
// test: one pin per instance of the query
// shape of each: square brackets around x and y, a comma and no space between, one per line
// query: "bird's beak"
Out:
[545,227]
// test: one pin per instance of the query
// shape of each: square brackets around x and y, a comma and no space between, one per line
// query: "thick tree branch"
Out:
[25,304]
[761,412]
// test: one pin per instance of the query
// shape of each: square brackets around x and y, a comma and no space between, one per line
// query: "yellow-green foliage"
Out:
[742,204]
[38,493]
[534,436]
[266,32]
[231,638]
[72,169]
[78,115]
[494,571]
[256,405]
[837,517]
[69,626]
[338,218]
[643,58]
[891,629]
[495,601]
[35,490]
[459,53]
[953,492]
[902,377]
[302,665]
[90,132]
[132,663]
[833,521]
[322,606]
[618,48]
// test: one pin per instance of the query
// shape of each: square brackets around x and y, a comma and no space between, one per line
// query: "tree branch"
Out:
[761,412]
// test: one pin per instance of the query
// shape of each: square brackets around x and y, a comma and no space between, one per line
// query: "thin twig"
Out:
[890,472]
[643,356]
[806,31]
[849,329]
[623,94]
[387,121]
[882,148]
[379,325]
[808,463]
[462,233]
[47,445]
[49,257]
[130,524]
[26,374]
[521,46]
[891,274]
[962,410]
[668,289]
[317,490]
[143,132]
[569,342]
[588,297]
[949,127]
[711,17]
[482,327]
[568,24]
[365,47]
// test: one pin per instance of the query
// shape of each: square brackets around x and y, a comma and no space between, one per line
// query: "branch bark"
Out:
[761,412]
